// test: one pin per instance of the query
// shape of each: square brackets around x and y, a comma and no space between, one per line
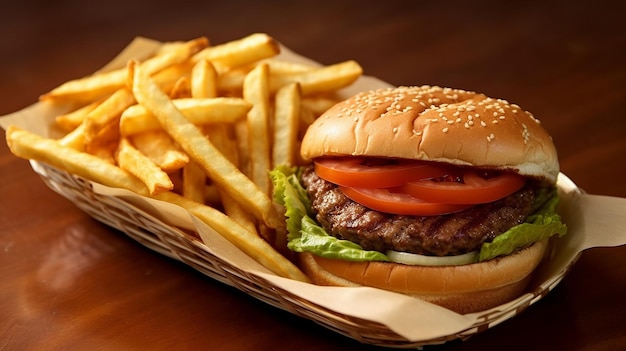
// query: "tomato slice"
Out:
[474,189]
[374,173]
[384,200]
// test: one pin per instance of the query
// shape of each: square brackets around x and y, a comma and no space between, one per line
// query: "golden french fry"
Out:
[109,111]
[161,149]
[181,88]
[175,53]
[101,84]
[286,67]
[286,121]
[70,120]
[74,139]
[32,146]
[105,151]
[201,150]
[136,119]
[248,242]
[256,91]
[87,89]
[107,135]
[139,165]
[220,136]
[203,80]
[167,78]
[231,82]
[241,139]
[320,79]
[194,182]
[239,52]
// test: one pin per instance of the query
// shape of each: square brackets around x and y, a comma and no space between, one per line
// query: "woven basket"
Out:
[187,248]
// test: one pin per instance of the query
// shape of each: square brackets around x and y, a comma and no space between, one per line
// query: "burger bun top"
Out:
[432,123]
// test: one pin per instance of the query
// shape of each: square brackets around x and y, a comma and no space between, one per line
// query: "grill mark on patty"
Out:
[449,234]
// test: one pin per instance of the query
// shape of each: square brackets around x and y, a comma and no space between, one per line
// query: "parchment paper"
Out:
[592,220]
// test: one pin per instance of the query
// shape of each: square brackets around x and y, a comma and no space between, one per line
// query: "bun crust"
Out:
[463,289]
[435,124]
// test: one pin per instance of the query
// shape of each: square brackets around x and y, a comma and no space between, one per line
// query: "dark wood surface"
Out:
[68,282]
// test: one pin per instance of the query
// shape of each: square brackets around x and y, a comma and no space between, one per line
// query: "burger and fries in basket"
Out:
[442,194]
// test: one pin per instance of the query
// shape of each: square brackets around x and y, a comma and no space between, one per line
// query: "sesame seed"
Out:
[445,130]
[483,124]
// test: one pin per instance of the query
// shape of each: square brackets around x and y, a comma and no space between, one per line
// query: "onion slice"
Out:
[423,260]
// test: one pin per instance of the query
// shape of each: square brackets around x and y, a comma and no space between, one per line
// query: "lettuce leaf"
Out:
[543,223]
[304,234]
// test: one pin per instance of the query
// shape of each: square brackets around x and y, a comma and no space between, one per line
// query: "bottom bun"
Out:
[463,289]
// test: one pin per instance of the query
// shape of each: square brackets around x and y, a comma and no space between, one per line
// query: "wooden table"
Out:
[68,282]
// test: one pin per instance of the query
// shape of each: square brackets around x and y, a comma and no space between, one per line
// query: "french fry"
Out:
[203,80]
[256,91]
[74,139]
[136,163]
[239,52]
[137,119]
[200,149]
[106,113]
[220,137]
[32,146]
[181,88]
[71,120]
[321,79]
[247,241]
[286,121]
[87,89]
[174,54]
[101,84]
[161,149]
[167,78]
[286,67]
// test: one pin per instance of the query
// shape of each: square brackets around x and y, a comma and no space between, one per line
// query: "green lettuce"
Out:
[306,235]
[543,223]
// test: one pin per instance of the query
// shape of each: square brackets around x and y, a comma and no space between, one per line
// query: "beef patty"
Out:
[450,234]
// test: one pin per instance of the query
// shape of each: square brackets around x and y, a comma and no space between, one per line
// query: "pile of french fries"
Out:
[196,125]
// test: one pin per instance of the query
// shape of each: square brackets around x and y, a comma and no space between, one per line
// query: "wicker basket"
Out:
[177,244]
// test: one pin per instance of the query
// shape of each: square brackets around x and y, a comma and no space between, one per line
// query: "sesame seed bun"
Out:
[463,289]
[453,126]
[435,124]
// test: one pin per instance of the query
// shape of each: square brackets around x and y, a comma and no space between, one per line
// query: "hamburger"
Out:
[442,194]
